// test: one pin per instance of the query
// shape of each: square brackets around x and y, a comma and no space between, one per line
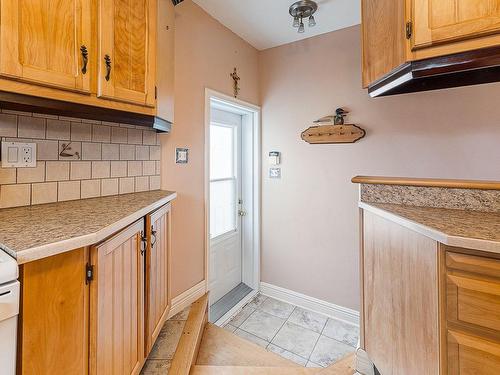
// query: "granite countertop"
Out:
[461,228]
[35,232]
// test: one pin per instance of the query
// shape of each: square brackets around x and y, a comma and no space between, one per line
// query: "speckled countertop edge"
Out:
[67,244]
[483,244]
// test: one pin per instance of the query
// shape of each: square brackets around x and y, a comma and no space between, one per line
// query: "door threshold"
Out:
[236,308]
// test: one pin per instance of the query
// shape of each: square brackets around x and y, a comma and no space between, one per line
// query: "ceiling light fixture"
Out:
[303,9]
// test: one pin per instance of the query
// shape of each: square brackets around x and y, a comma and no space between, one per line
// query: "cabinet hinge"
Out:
[89,273]
[409,29]
[156,92]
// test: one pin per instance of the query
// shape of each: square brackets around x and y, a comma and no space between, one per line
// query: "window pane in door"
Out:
[222,207]
[221,152]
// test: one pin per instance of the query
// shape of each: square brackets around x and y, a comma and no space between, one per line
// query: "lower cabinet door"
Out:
[117,304]
[53,328]
[157,273]
[469,355]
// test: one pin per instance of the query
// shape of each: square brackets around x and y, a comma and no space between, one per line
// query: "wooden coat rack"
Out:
[332,130]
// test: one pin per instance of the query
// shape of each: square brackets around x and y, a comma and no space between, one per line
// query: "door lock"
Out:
[242,213]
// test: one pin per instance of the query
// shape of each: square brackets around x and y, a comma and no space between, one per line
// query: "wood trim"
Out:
[189,343]
[428,182]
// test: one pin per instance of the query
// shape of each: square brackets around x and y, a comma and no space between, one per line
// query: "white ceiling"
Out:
[266,23]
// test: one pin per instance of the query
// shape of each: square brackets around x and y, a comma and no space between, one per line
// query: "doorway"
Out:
[233,204]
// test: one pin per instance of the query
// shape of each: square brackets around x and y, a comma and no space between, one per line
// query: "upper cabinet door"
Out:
[41,42]
[447,21]
[127,58]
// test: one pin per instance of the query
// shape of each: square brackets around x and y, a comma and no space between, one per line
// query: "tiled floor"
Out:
[161,355]
[305,337]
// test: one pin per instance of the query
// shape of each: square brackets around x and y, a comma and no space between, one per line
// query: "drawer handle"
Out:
[153,235]
[107,62]
[85,58]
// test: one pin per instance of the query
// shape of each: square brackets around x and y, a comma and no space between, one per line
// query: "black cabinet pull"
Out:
[153,235]
[85,58]
[107,61]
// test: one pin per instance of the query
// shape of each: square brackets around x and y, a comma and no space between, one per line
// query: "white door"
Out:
[225,198]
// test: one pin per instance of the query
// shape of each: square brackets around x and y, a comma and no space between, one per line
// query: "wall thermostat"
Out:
[274,158]
[181,155]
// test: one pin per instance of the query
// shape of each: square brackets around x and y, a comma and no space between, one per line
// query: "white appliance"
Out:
[9,310]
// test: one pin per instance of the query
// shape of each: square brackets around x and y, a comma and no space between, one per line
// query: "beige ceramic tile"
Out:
[128,126]
[31,127]
[47,150]
[158,167]
[127,152]
[118,169]
[71,119]
[45,192]
[91,151]
[154,183]
[20,113]
[110,151]
[141,184]
[109,187]
[74,149]
[101,169]
[28,175]
[68,191]
[149,138]
[57,171]
[80,132]
[127,185]
[15,195]
[8,125]
[101,133]
[91,188]
[149,168]
[134,168]
[7,176]
[141,152]
[134,137]
[43,115]
[89,121]
[57,129]
[154,153]
[118,135]
[80,170]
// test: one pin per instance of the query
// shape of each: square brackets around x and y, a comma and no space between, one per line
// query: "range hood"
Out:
[461,69]
[28,103]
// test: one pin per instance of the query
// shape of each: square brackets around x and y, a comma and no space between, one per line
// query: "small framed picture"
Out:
[181,155]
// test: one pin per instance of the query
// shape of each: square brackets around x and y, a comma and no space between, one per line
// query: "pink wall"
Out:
[205,54]
[310,216]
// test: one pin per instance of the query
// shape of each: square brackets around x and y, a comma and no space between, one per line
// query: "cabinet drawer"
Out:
[474,301]
[472,355]
[470,263]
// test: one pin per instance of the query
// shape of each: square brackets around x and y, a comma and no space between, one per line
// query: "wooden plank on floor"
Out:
[249,370]
[189,343]
[223,348]
[345,366]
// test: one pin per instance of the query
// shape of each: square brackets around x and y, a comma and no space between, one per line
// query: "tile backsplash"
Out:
[112,159]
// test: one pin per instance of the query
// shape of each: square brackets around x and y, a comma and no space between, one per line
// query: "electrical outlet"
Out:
[18,155]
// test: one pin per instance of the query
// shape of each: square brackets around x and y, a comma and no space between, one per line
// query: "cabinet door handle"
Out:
[85,58]
[107,62]
[144,243]
[153,235]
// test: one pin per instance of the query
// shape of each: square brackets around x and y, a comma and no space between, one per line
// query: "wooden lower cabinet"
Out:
[117,304]
[97,310]
[53,331]
[158,296]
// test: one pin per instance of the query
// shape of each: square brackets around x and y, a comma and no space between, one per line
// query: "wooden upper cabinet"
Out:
[448,21]
[158,273]
[117,304]
[41,42]
[383,32]
[127,51]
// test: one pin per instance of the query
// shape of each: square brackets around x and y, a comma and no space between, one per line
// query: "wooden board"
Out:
[247,370]
[345,366]
[189,343]
[223,348]
[329,134]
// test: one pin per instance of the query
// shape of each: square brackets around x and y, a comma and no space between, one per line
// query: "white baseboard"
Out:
[310,303]
[185,299]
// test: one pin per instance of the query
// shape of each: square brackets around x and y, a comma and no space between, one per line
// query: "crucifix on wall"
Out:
[236,78]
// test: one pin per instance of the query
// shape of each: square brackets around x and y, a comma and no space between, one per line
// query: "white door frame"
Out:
[255,111]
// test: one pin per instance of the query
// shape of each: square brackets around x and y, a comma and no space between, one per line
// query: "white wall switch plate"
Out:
[274,172]
[181,155]
[18,155]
